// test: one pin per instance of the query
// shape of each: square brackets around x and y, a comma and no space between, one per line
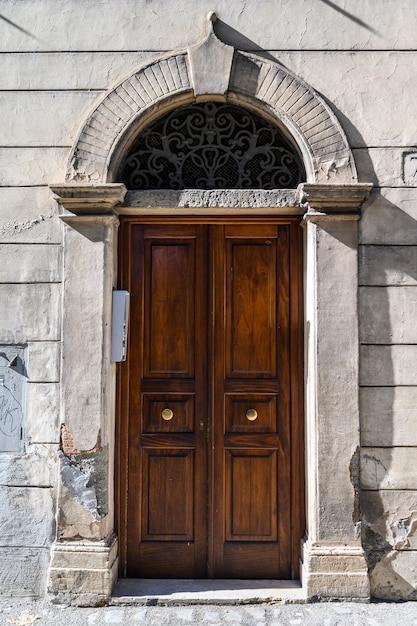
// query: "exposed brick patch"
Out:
[67,443]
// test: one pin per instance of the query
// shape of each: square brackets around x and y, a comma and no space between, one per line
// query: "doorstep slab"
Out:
[131,591]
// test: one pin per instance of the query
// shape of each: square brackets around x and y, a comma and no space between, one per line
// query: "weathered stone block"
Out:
[23,571]
[44,361]
[380,166]
[325,586]
[389,517]
[334,571]
[26,517]
[28,215]
[42,425]
[26,117]
[83,573]
[37,467]
[33,166]
[388,315]
[395,576]
[388,416]
[29,312]
[388,365]
[388,468]
[388,265]
[37,263]
[389,217]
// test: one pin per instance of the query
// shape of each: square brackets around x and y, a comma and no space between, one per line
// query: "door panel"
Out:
[167,467]
[207,395]
[251,427]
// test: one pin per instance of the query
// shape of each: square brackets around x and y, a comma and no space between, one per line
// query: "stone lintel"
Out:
[329,201]
[254,199]
[89,198]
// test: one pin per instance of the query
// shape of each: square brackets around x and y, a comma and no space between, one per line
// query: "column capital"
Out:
[89,199]
[333,202]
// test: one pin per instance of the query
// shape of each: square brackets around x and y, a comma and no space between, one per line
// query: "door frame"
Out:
[296,368]
[84,558]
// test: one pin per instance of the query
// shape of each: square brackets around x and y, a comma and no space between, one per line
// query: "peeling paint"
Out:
[85,473]
[354,471]
[9,228]
[404,532]
[375,545]
[76,478]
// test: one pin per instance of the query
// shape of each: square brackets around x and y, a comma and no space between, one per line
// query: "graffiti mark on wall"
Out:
[11,415]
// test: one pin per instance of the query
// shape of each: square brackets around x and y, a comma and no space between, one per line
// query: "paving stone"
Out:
[114,616]
[140,615]
[185,614]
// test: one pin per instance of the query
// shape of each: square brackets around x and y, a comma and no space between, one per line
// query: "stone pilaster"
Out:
[84,556]
[333,563]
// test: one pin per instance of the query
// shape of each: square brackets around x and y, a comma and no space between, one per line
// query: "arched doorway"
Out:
[211,417]
[86,549]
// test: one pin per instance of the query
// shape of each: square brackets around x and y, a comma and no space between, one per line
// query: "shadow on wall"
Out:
[387,519]
[387,258]
[388,392]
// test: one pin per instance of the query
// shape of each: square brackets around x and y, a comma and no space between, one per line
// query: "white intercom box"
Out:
[120,322]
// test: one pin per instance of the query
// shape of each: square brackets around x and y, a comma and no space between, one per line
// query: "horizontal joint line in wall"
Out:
[276,50]
[55,90]
[33,148]
[366,343]
[387,447]
[385,386]
[36,282]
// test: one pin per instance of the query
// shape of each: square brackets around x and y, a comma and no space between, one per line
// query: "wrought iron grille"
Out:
[212,146]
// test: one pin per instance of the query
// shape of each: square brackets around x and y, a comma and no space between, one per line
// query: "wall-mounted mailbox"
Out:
[120,321]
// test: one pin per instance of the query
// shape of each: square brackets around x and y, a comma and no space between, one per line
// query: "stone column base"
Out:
[82,573]
[334,572]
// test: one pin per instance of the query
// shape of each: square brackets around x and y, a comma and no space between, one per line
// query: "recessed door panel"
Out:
[168,505]
[208,398]
[251,307]
[170,308]
[251,495]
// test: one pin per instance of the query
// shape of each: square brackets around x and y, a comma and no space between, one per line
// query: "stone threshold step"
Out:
[150,592]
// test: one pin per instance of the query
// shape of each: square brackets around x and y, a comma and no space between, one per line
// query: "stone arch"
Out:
[213,70]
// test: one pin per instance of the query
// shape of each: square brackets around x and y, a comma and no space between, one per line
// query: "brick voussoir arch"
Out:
[252,80]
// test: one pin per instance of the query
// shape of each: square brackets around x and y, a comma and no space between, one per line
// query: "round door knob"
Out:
[167,414]
[251,415]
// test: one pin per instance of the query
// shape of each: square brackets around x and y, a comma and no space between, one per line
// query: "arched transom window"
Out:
[211,146]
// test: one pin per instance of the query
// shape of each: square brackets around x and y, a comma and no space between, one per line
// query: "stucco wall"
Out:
[57,62]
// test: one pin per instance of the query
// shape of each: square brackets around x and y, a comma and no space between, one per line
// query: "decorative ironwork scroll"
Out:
[212,146]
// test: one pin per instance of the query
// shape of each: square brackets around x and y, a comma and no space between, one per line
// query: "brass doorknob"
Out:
[167,414]
[251,415]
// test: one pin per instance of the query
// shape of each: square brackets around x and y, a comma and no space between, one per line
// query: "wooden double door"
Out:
[209,456]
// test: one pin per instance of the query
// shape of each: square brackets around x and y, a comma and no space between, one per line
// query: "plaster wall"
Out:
[57,64]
